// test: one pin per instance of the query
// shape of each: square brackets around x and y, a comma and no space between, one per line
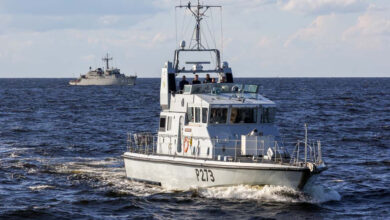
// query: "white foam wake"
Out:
[321,194]
[103,175]
[313,194]
[40,187]
[264,193]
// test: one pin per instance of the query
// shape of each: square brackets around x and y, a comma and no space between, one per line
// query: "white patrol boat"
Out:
[107,77]
[216,134]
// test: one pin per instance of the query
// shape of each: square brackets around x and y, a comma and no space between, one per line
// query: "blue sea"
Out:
[61,147]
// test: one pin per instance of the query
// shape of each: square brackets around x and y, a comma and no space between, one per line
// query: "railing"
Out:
[144,142]
[259,149]
[312,152]
[217,88]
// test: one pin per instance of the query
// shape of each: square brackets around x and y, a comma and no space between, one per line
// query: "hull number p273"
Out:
[204,175]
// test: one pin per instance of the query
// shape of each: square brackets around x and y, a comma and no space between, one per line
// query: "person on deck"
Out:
[183,82]
[213,80]
[208,79]
[196,80]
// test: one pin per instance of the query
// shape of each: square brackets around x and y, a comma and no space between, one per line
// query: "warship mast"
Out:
[107,60]
[199,12]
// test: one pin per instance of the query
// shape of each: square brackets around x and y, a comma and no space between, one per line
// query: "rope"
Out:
[211,34]
[213,26]
[221,36]
[176,24]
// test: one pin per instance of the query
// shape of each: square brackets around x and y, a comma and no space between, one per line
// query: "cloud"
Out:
[261,37]
[322,31]
[46,15]
[80,7]
[11,23]
[323,6]
[141,47]
[372,30]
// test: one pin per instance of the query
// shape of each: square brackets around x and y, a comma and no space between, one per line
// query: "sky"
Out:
[261,38]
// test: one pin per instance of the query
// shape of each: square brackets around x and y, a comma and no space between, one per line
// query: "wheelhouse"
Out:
[229,114]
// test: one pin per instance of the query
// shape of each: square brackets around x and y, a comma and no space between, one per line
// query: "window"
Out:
[162,123]
[204,115]
[251,88]
[169,124]
[190,115]
[268,115]
[243,115]
[218,115]
[197,115]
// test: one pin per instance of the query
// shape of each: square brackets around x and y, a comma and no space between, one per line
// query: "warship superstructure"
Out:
[216,134]
[104,77]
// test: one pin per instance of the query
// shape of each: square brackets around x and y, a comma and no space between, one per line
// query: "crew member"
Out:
[208,79]
[196,80]
[183,82]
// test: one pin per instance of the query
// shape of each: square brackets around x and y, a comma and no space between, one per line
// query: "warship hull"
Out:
[104,81]
[177,173]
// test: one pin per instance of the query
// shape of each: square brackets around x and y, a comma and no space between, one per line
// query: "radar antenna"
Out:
[199,12]
[107,60]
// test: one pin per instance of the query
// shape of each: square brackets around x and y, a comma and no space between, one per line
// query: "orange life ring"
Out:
[186,144]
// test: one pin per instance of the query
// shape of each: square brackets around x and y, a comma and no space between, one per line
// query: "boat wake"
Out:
[41,187]
[312,194]
[106,175]
[321,194]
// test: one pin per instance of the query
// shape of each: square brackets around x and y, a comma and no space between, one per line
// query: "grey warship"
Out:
[101,77]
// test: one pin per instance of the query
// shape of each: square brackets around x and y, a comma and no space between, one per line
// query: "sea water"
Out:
[61,147]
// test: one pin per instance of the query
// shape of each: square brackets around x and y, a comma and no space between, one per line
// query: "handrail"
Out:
[273,151]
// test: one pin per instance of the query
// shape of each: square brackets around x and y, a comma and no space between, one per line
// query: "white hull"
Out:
[104,81]
[185,173]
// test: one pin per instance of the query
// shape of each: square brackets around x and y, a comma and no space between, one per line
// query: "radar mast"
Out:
[199,12]
[107,59]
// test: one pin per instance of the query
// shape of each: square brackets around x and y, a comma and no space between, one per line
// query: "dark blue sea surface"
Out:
[61,147]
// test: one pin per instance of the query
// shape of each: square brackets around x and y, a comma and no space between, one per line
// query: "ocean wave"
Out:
[40,187]
[321,194]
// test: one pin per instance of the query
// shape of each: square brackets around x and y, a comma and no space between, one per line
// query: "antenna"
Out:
[107,60]
[198,11]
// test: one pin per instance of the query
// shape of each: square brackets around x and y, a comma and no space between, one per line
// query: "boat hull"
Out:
[103,81]
[183,173]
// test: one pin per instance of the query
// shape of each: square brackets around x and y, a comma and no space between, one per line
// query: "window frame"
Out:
[266,113]
[197,115]
[205,116]
[169,123]
[226,118]
[255,113]
[163,118]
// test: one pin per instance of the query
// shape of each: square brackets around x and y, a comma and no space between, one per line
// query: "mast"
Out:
[199,12]
[107,60]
